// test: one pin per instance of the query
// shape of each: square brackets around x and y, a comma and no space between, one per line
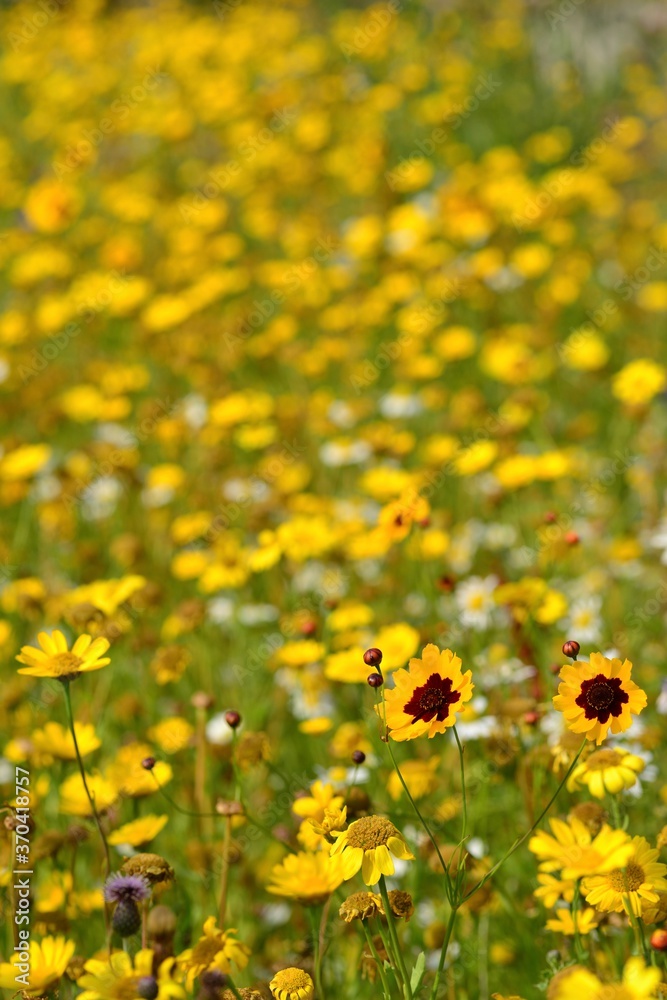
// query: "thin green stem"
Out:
[517,843]
[464,832]
[443,951]
[407,989]
[378,961]
[233,988]
[317,956]
[96,817]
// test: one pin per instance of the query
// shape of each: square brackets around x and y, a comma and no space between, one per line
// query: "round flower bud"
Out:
[147,988]
[571,648]
[375,680]
[373,657]
[148,763]
[233,719]
[659,939]
[358,756]
[572,538]
[201,700]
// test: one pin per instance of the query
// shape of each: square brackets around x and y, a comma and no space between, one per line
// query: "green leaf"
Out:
[418,972]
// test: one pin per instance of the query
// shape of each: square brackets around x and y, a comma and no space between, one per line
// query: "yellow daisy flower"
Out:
[641,878]
[427,695]
[139,832]
[118,978]
[308,877]
[322,797]
[599,695]
[215,949]
[607,771]
[292,984]
[366,845]
[563,922]
[572,848]
[47,962]
[55,659]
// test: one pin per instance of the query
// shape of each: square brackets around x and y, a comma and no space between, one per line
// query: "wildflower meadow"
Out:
[333,500]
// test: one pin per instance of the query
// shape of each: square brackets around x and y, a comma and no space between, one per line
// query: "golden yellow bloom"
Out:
[118,977]
[607,771]
[127,773]
[139,832]
[572,849]
[599,695]
[215,949]
[292,984]
[427,696]
[322,796]
[366,845]
[74,800]
[419,776]
[639,381]
[627,887]
[360,906]
[172,734]
[55,659]
[563,922]
[56,741]
[47,962]
[308,877]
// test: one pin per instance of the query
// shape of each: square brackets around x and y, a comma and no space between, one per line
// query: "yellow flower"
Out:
[597,696]
[56,741]
[51,206]
[427,695]
[292,984]
[128,775]
[419,776]
[607,771]
[215,949]
[575,983]
[626,887]
[24,462]
[572,848]
[308,877]
[55,659]
[47,961]
[366,845]
[172,734]
[118,978]
[139,832]
[73,798]
[564,923]
[639,381]
[322,796]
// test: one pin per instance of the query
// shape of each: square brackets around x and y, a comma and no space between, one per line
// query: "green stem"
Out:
[233,988]
[379,962]
[423,822]
[315,930]
[517,843]
[464,832]
[98,822]
[443,951]
[407,990]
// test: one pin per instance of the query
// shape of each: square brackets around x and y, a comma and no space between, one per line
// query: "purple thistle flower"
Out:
[131,888]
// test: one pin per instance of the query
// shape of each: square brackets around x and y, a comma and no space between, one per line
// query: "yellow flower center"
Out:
[603,759]
[627,879]
[370,832]
[292,980]
[66,663]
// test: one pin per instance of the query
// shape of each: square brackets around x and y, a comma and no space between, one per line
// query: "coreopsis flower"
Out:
[572,849]
[48,960]
[368,844]
[215,949]
[292,984]
[607,771]
[427,695]
[599,695]
[55,659]
[563,922]
[641,879]
[322,797]
[308,877]
[122,978]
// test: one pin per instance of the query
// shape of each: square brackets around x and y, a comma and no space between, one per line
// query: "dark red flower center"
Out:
[601,697]
[432,700]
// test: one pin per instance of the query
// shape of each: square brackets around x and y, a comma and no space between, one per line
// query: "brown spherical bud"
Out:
[373,657]
[659,939]
[148,763]
[358,756]
[571,538]
[375,680]
[531,718]
[571,648]
[161,923]
[201,700]
[232,718]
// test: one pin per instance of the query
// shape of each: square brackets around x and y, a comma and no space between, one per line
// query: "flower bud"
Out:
[147,988]
[659,939]
[375,680]
[233,719]
[148,763]
[358,756]
[373,657]
[571,648]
